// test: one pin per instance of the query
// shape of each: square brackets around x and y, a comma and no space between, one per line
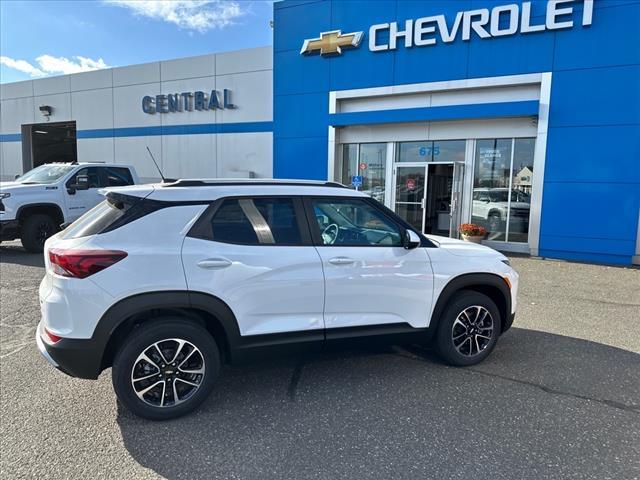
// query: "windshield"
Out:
[45,174]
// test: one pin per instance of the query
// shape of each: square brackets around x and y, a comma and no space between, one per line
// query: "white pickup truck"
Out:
[34,205]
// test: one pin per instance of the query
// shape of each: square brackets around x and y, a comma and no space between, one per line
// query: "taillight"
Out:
[82,263]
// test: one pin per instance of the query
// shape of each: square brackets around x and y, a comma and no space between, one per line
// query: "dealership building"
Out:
[523,117]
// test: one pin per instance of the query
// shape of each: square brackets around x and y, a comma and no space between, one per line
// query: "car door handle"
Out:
[341,261]
[214,263]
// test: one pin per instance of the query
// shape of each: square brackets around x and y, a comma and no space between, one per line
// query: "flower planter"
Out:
[472,238]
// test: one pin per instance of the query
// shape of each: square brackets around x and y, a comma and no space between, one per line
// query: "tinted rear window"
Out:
[258,221]
[118,177]
[102,217]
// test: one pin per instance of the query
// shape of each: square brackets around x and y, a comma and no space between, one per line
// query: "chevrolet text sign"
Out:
[500,21]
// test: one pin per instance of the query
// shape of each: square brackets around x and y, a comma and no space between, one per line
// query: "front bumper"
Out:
[76,357]
[508,322]
[9,230]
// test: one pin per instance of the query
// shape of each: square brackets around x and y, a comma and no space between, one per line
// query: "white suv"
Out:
[33,207]
[165,283]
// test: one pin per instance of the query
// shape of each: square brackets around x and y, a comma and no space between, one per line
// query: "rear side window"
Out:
[118,176]
[114,212]
[97,219]
[257,221]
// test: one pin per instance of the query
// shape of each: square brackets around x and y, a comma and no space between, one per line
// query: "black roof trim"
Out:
[234,183]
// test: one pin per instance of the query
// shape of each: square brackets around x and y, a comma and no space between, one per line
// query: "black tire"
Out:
[452,351]
[141,340]
[494,223]
[35,231]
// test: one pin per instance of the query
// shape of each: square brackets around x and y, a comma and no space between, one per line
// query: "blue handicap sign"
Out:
[356,181]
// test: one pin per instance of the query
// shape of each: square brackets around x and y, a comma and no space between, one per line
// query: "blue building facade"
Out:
[523,117]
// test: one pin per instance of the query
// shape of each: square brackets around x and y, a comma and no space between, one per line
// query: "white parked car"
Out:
[490,209]
[165,283]
[33,207]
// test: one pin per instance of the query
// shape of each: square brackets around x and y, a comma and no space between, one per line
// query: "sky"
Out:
[45,38]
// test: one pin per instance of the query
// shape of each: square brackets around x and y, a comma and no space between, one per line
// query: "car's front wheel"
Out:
[35,231]
[469,329]
[166,368]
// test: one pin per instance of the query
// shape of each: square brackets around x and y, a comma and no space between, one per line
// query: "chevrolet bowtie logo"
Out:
[331,43]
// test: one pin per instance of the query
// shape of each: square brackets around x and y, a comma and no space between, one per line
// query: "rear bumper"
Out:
[75,357]
[9,230]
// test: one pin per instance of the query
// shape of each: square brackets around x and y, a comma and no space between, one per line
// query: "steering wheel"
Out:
[385,236]
[330,234]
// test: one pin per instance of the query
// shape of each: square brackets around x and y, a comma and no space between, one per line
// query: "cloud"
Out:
[50,65]
[194,15]
[22,66]
[64,65]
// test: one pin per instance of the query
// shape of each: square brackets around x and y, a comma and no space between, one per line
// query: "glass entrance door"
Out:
[429,197]
[438,203]
[409,197]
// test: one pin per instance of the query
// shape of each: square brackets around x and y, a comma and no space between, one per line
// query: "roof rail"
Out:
[222,183]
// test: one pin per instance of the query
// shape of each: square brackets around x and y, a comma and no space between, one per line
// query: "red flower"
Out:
[472,230]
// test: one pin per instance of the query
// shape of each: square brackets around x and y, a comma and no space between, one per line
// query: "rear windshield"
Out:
[103,217]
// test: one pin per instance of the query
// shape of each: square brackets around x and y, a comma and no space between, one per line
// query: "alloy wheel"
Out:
[472,330]
[44,231]
[168,372]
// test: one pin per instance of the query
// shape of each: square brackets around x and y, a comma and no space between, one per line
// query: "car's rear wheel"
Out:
[468,329]
[166,368]
[35,231]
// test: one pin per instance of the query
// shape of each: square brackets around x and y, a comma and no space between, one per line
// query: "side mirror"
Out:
[16,176]
[82,183]
[411,240]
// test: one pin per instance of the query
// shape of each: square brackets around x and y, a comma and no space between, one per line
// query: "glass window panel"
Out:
[522,177]
[258,221]
[449,150]
[354,222]
[372,167]
[349,163]
[491,186]
[409,194]
[94,177]
[415,152]
[118,177]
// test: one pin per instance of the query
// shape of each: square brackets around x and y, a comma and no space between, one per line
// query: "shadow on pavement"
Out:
[15,254]
[541,406]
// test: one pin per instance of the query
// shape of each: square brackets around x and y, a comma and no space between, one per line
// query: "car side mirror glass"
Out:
[411,240]
[17,176]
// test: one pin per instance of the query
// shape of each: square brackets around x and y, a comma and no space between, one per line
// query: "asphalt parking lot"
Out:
[558,398]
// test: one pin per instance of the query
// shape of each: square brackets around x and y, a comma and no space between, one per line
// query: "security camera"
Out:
[45,110]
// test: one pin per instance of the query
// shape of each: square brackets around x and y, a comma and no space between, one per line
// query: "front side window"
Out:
[257,221]
[354,222]
[93,173]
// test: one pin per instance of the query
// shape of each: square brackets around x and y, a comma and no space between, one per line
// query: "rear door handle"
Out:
[342,261]
[214,263]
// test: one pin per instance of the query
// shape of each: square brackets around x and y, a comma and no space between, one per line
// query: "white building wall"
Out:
[104,101]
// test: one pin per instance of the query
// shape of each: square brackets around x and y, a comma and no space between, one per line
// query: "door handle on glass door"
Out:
[214,263]
[341,261]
